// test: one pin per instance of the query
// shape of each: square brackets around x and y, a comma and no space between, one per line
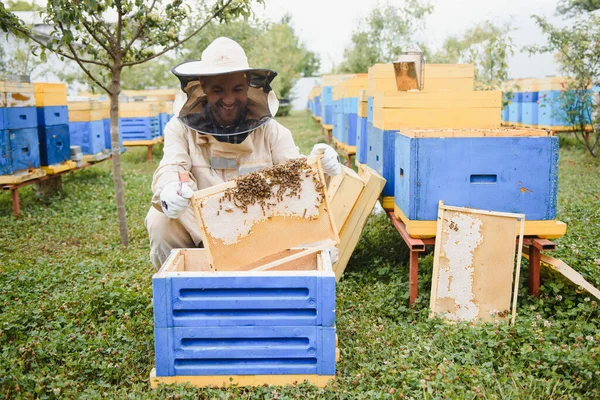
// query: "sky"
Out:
[325,26]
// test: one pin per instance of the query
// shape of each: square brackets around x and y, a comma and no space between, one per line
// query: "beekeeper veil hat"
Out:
[225,56]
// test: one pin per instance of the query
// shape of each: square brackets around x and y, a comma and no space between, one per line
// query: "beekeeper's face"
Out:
[227,96]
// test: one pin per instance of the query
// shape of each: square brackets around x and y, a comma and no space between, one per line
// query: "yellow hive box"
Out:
[354,85]
[166,107]
[16,94]
[159,94]
[416,99]
[138,109]
[424,118]
[437,77]
[332,80]
[85,111]
[318,89]
[50,94]
[104,106]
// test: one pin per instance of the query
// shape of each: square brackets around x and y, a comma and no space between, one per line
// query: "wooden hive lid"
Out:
[16,87]
[236,236]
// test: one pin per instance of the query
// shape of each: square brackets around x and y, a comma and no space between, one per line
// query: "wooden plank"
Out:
[567,271]
[417,99]
[236,238]
[343,192]
[21,177]
[387,203]
[363,109]
[476,132]
[91,158]
[550,229]
[393,119]
[474,268]
[350,235]
[134,143]
[58,168]
[239,380]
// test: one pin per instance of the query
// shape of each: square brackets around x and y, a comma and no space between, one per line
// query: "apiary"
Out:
[505,170]
[256,305]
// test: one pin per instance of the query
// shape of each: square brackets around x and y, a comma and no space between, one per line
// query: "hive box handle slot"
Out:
[492,178]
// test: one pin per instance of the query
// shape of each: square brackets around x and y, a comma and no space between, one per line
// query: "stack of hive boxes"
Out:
[139,121]
[87,126]
[165,98]
[53,125]
[327,102]
[314,102]
[361,126]
[19,144]
[221,318]
[447,100]
[345,96]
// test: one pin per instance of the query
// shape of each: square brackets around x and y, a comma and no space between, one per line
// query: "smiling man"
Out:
[222,127]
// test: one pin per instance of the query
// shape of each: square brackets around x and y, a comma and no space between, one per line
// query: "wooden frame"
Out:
[520,219]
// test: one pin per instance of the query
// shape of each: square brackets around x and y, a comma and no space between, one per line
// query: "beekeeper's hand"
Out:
[330,160]
[172,201]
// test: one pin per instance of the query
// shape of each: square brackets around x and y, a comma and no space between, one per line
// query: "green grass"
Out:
[76,317]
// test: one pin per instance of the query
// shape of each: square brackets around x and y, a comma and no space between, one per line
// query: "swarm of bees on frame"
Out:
[257,187]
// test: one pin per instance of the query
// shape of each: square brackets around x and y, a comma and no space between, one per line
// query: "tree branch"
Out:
[180,42]
[87,72]
[98,39]
[140,29]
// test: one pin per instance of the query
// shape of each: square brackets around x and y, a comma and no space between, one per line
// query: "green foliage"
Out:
[574,7]
[76,317]
[577,50]
[21,5]
[487,46]
[383,35]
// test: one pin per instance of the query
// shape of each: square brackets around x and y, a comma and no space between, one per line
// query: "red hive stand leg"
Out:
[15,202]
[149,153]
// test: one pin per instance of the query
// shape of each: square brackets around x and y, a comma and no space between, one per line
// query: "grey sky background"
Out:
[325,26]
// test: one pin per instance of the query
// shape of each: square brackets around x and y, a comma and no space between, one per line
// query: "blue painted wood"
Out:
[89,135]
[317,106]
[382,159]
[19,150]
[374,147]
[507,174]
[351,105]
[55,115]
[327,117]
[338,120]
[3,118]
[518,97]
[350,128]
[513,112]
[237,300]
[21,117]
[370,109]
[506,113]
[361,140]
[55,142]
[529,97]
[139,128]
[530,113]
[256,350]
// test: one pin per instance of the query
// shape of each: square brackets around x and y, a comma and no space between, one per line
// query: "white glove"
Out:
[330,160]
[172,202]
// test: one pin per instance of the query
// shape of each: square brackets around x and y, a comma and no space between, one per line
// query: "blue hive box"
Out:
[505,174]
[327,105]
[317,106]
[338,120]
[55,142]
[380,155]
[210,322]
[20,118]
[19,150]
[89,135]
[53,115]
[361,140]
[139,128]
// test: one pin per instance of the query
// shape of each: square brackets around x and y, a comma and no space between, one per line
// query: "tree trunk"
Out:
[115,89]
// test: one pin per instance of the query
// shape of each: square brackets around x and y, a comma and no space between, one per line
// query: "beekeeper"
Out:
[222,127]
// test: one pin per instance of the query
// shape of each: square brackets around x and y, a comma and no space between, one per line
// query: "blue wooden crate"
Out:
[506,113]
[139,128]
[318,108]
[507,174]
[530,114]
[20,150]
[252,350]
[513,112]
[361,140]
[351,105]
[54,115]
[350,128]
[21,117]
[232,299]
[338,120]
[530,97]
[3,118]
[163,119]
[327,105]
[370,109]
[382,158]
[374,147]
[55,142]
[89,135]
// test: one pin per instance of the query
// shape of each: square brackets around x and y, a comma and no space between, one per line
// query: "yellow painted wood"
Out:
[416,99]
[388,203]
[239,380]
[318,119]
[135,143]
[473,132]
[166,107]
[17,94]
[158,94]
[343,192]
[355,223]
[363,109]
[338,90]
[551,229]
[56,168]
[92,158]
[50,94]
[332,80]
[328,127]
[138,109]
[86,115]
[449,71]
[20,177]
[352,86]
[422,118]
[84,105]
[363,96]
[351,150]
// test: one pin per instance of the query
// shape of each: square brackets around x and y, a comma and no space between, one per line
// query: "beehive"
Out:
[50,94]
[327,101]
[361,127]
[254,301]
[506,170]
[139,109]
